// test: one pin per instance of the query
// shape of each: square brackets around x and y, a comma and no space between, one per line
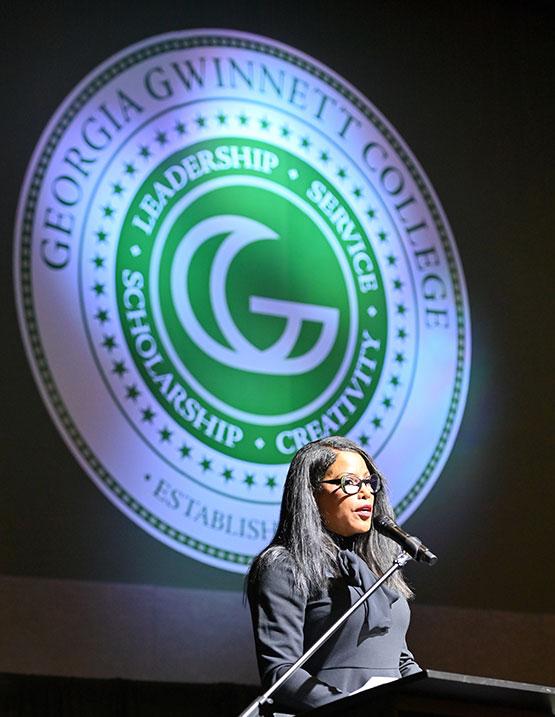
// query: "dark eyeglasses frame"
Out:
[342,483]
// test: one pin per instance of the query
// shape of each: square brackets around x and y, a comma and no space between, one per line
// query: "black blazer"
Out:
[371,643]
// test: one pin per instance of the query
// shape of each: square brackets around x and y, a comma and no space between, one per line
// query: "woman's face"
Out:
[346,514]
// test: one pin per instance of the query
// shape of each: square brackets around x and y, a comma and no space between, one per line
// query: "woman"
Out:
[324,555]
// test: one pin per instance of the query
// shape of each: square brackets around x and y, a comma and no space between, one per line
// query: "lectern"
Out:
[444,694]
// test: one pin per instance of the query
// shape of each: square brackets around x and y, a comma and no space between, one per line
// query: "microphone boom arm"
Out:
[255,708]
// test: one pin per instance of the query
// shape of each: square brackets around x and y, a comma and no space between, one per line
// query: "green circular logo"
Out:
[225,252]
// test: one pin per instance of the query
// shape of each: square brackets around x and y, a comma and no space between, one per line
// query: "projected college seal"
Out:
[224,251]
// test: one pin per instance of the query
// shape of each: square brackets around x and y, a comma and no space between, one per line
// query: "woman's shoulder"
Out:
[275,564]
[275,557]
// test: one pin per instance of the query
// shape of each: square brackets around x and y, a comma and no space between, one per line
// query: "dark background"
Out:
[469,86]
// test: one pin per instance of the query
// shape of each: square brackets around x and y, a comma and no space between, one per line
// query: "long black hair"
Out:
[301,534]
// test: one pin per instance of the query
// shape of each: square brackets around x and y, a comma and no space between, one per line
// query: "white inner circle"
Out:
[157,249]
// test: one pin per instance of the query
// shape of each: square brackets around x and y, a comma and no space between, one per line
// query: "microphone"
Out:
[413,546]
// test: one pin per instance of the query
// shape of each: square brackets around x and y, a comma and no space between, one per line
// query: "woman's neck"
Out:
[343,542]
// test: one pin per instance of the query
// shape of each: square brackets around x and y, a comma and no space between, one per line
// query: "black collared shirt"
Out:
[286,624]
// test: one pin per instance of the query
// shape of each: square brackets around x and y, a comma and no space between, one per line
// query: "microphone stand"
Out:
[257,707]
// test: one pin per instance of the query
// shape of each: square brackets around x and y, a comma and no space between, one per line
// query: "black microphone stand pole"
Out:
[256,707]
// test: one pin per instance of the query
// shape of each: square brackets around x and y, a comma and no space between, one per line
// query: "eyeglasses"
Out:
[351,484]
